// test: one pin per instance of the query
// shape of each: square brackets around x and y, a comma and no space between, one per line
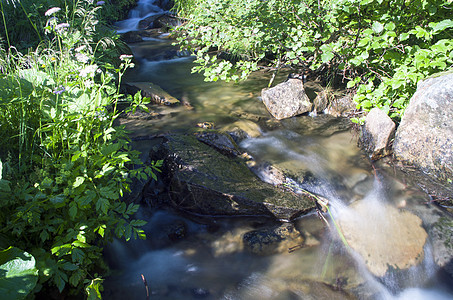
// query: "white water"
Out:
[144,9]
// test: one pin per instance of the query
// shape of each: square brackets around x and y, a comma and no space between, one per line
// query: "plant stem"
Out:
[4,24]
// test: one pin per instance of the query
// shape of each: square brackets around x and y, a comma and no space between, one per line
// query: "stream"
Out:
[207,258]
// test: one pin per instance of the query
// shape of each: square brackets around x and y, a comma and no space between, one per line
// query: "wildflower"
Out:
[82,58]
[125,57]
[100,3]
[88,71]
[51,11]
[60,90]
[62,26]
[78,49]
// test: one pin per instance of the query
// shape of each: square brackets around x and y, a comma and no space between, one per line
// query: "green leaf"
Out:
[77,255]
[67,266]
[94,289]
[327,56]
[60,278]
[18,273]
[108,193]
[442,25]
[72,210]
[377,27]
[58,199]
[102,205]
[78,181]
[76,277]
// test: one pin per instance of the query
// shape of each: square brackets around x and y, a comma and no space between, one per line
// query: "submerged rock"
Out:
[202,180]
[242,129]
[273,240]
[153,91]
[425,136]
[321,125]
[286,99]
[384,236]
[377,133]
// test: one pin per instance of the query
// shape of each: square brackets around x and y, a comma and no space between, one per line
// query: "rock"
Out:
[220,141]
[341,107]
[166,21]
[441,235]
[322,125]
[384,236]
[147,22]
[242,129]
[153,91]
[165,4]
[321,101]
[273,240]
[377,134]
[202,180]
[287,99]
[425,135]
[131,37]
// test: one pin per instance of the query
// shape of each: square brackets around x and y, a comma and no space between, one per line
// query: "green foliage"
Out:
[18,274]
[65,168]
[381,48]
[24,20]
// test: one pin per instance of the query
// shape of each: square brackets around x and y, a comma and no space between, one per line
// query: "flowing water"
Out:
[208,260]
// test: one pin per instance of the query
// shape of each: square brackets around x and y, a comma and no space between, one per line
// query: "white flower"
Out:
[88,71]
[51,11]
[82,57]
[62,26]
[78,49]
[124,56]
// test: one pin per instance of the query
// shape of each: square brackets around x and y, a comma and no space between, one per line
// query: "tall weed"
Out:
[66,168]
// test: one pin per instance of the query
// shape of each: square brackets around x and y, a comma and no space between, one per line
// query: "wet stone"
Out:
[273,240]
[204,181]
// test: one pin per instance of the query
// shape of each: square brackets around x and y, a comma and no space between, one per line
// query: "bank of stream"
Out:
[189,256]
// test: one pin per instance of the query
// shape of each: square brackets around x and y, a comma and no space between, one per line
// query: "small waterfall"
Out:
[144,9]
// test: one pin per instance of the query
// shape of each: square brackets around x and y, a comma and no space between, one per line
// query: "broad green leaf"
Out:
[377,27]
[327,56]
[18,274]
[442,25]
[78,181]
[94,289]
[102,205]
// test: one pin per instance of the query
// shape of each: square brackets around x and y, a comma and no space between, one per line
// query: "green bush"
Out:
[65,167]
[380,48]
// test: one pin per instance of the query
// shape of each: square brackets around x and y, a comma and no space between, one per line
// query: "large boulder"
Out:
[287,99]
[204,181]
[377,133]
[425,136]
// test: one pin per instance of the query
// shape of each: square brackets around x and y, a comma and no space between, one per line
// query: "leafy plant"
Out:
[66,167]
[18,274]
[379,48]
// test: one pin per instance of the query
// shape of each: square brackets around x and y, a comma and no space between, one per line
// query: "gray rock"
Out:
[321,101]
[147,22]
[425,136]
[287,99]
[220,141]
[377,134]
[202,180]
[131,37]
[267,241]
[166,21]
[341,107]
